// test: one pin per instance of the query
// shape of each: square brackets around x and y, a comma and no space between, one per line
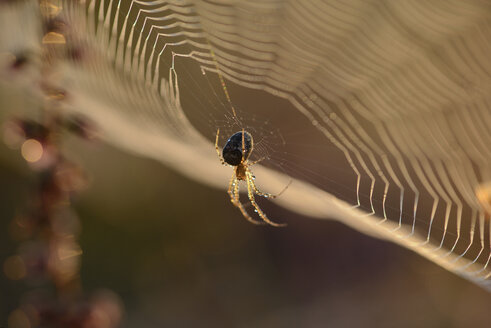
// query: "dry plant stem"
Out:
[53,226]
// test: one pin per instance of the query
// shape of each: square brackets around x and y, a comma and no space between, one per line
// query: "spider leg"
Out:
[218,149]
[233,191]
[261,214]
[264,194]
[243,145]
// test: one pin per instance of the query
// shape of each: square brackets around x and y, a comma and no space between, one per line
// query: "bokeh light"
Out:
[32,150]
[483,194]
[18,319]
[14,267]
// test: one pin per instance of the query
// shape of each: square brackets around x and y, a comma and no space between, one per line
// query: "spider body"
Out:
[236,153]
[241,172]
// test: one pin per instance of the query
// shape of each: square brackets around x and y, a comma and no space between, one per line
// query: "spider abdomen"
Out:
[232,152]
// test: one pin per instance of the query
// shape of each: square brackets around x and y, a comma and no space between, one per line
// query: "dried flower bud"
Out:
[70,177]
[81,126]
[57,25]
[19,62]
[17,131]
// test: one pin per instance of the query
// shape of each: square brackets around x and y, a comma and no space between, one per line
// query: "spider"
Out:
[236,153]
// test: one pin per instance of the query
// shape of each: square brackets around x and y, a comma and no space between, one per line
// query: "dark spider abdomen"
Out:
[232,152]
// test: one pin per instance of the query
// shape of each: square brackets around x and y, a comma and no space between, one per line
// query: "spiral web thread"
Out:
[401,88]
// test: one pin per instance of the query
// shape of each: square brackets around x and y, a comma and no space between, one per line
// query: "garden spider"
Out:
[235,153]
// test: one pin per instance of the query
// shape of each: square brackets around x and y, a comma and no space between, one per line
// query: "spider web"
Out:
[379,111]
